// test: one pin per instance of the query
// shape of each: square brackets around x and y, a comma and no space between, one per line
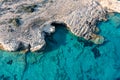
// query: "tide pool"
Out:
[67,57]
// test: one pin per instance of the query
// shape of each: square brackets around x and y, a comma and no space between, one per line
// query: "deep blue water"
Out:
[68,57]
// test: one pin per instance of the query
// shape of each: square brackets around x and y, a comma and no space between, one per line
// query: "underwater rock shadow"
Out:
[56,39]
[86,43]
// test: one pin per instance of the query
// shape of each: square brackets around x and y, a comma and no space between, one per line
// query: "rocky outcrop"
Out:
[111,5]
[82,22]
[24,24]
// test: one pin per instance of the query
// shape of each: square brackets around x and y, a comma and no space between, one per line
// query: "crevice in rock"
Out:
[21,47]
[55,23]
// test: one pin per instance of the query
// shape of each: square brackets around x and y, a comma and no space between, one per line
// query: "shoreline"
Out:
[25,26]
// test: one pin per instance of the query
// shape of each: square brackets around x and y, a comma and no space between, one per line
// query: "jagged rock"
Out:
[24,24]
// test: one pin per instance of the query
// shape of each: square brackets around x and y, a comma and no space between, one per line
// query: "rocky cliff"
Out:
[24,24]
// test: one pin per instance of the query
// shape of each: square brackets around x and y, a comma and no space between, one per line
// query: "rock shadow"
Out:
[86,43]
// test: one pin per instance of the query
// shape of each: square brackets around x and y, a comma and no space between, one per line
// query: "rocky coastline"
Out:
[24,24]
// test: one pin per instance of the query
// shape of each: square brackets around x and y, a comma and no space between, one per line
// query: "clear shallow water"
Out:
[67,57]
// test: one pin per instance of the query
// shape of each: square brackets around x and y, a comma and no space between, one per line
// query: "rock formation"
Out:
[111,5]
[24,24]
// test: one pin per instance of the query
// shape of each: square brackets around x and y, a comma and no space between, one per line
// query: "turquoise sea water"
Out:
[68,57]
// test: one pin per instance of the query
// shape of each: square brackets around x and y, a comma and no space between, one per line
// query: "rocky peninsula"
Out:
[24,24]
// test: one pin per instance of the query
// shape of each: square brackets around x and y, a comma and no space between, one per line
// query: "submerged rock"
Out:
[97,39]
[24,24]
[10,62]
[96,52]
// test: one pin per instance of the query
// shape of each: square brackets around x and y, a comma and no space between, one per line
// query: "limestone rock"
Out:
[97,39]
[24,24]
[111,5]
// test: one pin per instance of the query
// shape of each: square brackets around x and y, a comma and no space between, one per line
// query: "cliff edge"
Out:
[24,24]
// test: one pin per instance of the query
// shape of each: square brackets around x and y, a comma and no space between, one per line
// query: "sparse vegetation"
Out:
[27,8]
[15,21]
